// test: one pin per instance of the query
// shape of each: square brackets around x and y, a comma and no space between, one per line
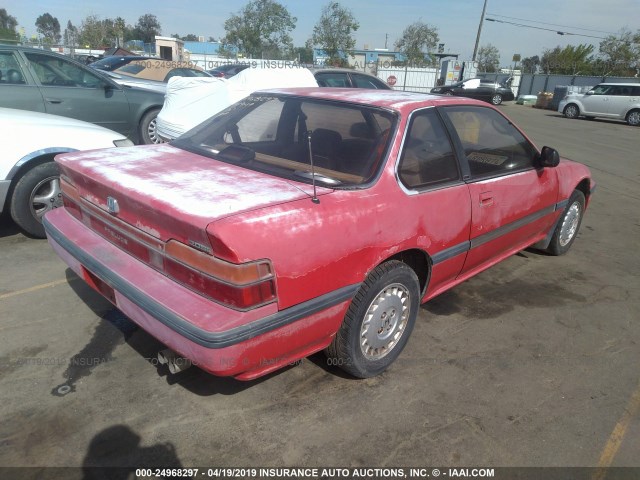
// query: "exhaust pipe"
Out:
[175,362]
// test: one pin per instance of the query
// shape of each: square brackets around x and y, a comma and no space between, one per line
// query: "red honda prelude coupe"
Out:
[302,220]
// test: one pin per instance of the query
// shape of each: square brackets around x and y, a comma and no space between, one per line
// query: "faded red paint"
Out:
[314,248]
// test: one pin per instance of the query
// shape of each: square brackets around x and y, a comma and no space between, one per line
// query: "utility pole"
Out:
[386,37]
[475,50]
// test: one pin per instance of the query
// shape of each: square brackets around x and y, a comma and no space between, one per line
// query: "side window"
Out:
[427,157]
[635,91]
[621,91]
[602,90]
[54,71]
[10,71]
[492,145]
[332,80]
[362,81]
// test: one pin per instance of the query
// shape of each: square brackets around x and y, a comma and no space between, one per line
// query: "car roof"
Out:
[394,99]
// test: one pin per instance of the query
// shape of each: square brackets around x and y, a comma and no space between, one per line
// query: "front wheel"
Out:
[496,99]
[449,92]
[37,192]
[149,128]
[571,111]
[379,321]
[567,229]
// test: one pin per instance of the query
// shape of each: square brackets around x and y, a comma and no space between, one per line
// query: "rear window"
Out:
[283,135]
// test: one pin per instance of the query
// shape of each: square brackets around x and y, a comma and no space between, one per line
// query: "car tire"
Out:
[379,321]
[448,92]
[149,128]
[36,192]
[633,118]
[568,225]
[571,111]
[496,99]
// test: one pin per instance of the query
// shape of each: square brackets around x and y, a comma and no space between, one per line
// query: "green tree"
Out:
[570,60]
[334,32]
[8,24]
[530,64]
[49,27]
[92,32]
[261,29]
[147,28]
[70,35]
[488,59]
[620,55]
[417,38]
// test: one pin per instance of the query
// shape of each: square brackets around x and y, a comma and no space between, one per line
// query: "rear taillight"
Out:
[239,286]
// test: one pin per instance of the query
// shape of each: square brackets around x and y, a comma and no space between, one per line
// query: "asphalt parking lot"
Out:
[532,363]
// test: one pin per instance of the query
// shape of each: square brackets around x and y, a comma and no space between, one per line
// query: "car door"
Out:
[596,101]
[73,90]
[620,100]
[17,87]
[512,202]
[437,196]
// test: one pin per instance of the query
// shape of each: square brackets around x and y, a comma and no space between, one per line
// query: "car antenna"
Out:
[315,198]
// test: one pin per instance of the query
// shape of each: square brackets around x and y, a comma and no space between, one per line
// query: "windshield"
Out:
[281,135]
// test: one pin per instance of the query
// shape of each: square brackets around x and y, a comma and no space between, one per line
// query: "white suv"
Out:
[619,101]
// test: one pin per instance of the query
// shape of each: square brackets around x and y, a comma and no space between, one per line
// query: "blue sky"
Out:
[456,20]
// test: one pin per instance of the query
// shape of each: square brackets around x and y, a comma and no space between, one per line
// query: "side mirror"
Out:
[590,92]
[549,157]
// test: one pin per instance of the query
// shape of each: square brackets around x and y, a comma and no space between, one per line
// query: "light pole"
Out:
[475,50]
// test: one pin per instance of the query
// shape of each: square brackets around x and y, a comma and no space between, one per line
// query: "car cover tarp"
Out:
[191,100]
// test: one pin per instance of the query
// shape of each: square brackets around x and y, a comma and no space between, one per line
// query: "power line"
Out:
[542,28]
[546,23]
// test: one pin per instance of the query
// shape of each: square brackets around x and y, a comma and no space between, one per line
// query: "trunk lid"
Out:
[170,193]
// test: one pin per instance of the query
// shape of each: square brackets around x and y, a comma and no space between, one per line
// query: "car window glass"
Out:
[492,145]
[427,157]
[261,126]
[54,71]
[362,81]
[338,80]
[602,90]
[621,90]
[635,91]
[272,134]
[10,71]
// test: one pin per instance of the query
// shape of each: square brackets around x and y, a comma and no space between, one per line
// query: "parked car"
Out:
[307,219]
[190,101]
[113,62]
[347,78]
[42,81]
[480,89]
[29,183]
[127,81]
[228,71]
[620,101]
[160,70]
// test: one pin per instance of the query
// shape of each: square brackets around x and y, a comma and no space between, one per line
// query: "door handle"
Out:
[54,100]
[486,199]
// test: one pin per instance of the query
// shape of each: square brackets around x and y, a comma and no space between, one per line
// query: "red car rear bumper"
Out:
[218,339]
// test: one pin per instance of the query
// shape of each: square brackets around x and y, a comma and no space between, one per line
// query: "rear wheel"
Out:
[149,128]
[448,92]
[571,111]
[37,192]
[496,99]
[379,321]
[633,118]
[567,229]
